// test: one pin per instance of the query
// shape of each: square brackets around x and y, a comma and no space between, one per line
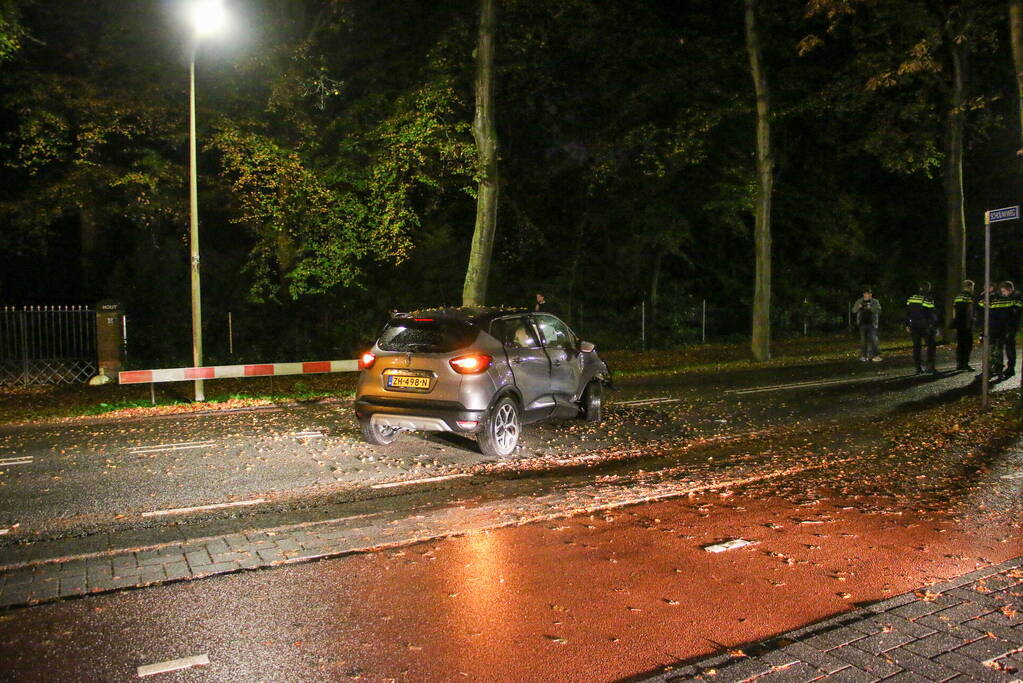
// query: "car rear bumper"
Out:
[418,415]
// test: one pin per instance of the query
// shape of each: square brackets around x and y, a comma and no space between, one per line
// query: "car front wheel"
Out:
[376,434]
[501,429]
[592,402]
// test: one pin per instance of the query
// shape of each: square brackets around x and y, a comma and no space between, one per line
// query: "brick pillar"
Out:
[109,337]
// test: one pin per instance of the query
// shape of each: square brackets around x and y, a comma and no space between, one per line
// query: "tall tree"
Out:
[761,342]
[1016,37]
[484,130]
[919,62]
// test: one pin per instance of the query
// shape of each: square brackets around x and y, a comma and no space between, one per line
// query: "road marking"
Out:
[159,448]
[311,434]
[425,480]
[16,460]
[648,401]
[1017,475]
[202,508]
[808,385]
[173,665]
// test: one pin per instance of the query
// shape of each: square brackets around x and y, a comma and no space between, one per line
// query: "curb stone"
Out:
[980,639]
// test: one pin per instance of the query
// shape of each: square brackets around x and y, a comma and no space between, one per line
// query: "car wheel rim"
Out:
[506,428]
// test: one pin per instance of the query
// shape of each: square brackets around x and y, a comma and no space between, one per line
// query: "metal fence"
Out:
[47,345]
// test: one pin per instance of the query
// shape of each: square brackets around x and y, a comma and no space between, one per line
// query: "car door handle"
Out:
[557,363]
[517,361]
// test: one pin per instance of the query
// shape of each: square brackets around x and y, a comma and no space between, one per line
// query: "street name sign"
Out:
[1009,213]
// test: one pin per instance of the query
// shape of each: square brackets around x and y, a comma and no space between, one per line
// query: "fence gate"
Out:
[47,344]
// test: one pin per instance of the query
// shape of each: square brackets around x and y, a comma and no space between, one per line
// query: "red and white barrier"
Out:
[224,371]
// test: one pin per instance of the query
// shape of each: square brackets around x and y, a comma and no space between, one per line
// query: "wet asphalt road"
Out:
[590,597]
[81,479]
[595,597]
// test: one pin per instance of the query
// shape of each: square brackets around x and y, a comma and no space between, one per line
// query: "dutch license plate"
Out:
[406,382]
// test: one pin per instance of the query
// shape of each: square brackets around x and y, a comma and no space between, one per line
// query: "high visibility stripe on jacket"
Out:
[962,310]
[920,311]
[1004,312]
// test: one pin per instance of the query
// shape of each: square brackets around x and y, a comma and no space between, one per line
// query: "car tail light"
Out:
[366,361]
[473,364]
[468,424]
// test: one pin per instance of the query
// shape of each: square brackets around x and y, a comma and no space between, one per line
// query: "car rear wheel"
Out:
[593,402]
[376,434]
[501,429]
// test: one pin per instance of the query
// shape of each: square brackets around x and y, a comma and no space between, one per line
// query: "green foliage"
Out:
[12,32]
[337,170]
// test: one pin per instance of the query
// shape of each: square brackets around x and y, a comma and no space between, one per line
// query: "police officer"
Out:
[962,321]
[1000,323]
[922,323]
[1008,291]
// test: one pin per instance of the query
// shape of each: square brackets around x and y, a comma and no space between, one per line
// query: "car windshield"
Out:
[427,336]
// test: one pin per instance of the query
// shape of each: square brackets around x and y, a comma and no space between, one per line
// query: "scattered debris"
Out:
[731,544]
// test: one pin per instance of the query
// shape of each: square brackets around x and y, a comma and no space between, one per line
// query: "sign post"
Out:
[1009,213]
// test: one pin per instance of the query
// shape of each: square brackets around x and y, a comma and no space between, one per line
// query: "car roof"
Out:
[473,315]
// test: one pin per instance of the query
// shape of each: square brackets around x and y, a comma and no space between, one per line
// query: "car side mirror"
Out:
[587,347]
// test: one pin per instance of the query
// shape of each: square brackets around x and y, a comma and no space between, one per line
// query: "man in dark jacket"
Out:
[922,323]
[999,323]
[962,321]
[867,311]
[1004,324]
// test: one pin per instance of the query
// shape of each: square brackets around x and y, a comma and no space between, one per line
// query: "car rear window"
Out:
[427,336]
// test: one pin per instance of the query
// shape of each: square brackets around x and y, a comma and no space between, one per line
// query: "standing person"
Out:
[544,306]
[962,321]
[1000,325]
[1013,305]
[868,314]
[922,323]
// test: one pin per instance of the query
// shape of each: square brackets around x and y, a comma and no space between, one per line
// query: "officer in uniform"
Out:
[1008,290]
[962,321]
[1001,324]
[922,323]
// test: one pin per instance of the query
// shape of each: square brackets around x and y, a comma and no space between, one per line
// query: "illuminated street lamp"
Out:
[207,17]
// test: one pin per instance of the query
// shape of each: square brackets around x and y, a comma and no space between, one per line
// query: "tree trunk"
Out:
[474,293]
[573,270]
[956,214]
[761,343]
[655,292]
[89,243]
[1016,38]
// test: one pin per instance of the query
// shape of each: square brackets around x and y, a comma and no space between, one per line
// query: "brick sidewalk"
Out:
[967,629]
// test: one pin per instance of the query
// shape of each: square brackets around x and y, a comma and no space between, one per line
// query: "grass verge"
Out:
[21,405]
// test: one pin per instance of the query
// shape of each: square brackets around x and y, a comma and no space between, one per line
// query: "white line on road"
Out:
[173,665]
[648,401]
[1017,475]
[425,480]
[17,460]
[158,448]
[808,385]
[308,435]
[202,508]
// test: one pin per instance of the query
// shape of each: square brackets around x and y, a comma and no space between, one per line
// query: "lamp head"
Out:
[207,17]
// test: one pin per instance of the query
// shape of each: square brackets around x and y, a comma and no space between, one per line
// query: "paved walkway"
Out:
[966,629]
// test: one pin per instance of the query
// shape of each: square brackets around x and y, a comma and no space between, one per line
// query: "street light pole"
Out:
[207,17]
[194,233]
